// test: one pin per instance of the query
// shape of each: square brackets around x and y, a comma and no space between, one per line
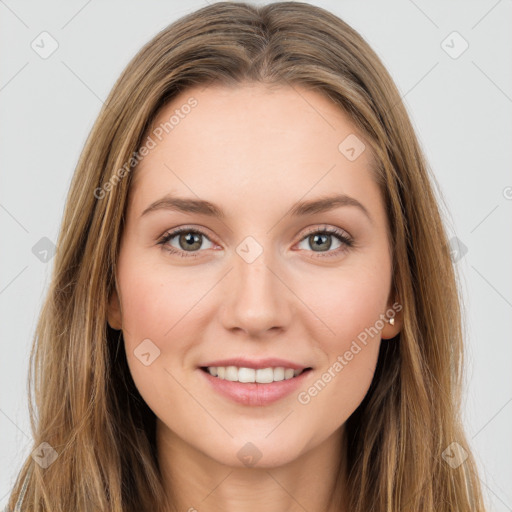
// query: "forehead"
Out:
[251,143]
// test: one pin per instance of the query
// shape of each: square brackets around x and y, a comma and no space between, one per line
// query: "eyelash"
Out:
[337,233]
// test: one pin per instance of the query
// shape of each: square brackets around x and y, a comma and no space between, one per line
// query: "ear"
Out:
[394,310]
[114,314]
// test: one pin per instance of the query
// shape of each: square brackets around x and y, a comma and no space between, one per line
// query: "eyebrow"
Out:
[299,209]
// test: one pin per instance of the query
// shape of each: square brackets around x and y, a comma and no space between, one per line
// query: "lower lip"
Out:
[254,393]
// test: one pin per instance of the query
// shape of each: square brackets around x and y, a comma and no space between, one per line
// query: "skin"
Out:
[254,152]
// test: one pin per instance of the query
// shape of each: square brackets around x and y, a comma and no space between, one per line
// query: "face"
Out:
[253,276]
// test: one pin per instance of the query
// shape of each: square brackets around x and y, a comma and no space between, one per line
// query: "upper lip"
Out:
[268,362]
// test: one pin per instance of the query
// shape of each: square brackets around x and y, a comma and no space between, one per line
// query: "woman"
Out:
[204,345]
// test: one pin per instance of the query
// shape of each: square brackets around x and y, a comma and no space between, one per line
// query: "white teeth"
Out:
[262,375]
[279,373]
[231,373]
[265,375]
[289,373]
[246,375]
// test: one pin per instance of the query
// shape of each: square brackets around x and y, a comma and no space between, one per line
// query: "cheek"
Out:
[155,322]
[155,299]
[162,305]
[349,304]
[145,306]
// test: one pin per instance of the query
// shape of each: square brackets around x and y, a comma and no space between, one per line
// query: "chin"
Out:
[260,452]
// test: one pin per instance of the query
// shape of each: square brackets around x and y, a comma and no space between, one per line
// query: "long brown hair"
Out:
[88,408]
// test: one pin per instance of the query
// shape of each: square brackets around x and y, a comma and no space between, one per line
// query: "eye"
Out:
[188,241]
[322,239]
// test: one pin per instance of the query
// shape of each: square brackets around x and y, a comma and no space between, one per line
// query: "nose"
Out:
[257,300]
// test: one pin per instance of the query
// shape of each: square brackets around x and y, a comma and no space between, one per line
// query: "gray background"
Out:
[461,108]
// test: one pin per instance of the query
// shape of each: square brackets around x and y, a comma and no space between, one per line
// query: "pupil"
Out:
[317,237]
[191,239]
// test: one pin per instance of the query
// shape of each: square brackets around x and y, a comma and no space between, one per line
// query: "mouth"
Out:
[255,387]
[245,375]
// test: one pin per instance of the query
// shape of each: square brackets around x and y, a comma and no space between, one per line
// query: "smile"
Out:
[251,375]
[253,392]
